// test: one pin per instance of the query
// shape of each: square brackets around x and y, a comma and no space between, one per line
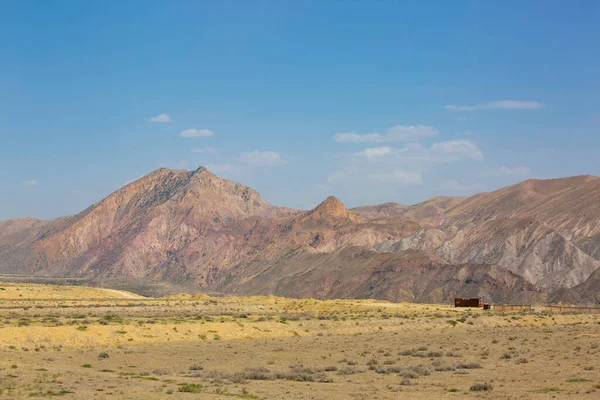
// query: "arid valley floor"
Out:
[79,342]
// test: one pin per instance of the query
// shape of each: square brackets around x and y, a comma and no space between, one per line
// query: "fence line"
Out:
[546,308]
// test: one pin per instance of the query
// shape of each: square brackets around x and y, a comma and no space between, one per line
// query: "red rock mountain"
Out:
[533,241]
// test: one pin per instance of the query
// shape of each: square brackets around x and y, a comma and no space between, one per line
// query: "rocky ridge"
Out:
[533,241]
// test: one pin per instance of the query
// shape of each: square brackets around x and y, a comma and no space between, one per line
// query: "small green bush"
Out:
[190,388]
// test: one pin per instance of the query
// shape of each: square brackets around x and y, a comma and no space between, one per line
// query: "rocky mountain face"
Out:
[535,241]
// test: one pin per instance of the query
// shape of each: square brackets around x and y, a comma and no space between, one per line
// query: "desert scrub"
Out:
[481,387]
[190,388]
[349,371]
[468,366]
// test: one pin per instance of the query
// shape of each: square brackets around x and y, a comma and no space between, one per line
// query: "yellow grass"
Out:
[78,342]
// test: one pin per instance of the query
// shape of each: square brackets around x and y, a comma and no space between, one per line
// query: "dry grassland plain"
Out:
[90,343]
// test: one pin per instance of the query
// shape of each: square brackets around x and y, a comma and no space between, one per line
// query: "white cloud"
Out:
[509,171]
[398,133]
[404,164]
[205,150]
[194,133]
[221,168]
[160,118]
[458,148]
[455,186]
[398,176]
[31,182]
[499,104]
[262,158]
[374,152]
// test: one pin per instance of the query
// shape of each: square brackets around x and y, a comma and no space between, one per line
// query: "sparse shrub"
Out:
[444,368]
[452,354]
[190,388]
[257,374]
[471,365]
[86,366]
[161,371]
[196,367]
[348,371]
[481,387]
[103,355]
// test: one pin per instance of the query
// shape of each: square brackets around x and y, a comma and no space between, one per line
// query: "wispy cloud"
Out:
[509,171]
[374,166]
[455,186]
[31,182]
[221,168]
[499,104]
[262,158]
[160,118]
[205,150]
[463,148]
[372,152]
[398,176]
[195,133]
[398,133]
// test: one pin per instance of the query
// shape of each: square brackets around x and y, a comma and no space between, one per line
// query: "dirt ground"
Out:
[77,342]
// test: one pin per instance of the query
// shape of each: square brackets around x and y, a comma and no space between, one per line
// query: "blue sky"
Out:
[369,101]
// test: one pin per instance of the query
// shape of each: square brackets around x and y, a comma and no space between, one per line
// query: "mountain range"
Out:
[536,241]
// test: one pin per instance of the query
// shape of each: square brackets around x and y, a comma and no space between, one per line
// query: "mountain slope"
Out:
[387,210]
[521,243]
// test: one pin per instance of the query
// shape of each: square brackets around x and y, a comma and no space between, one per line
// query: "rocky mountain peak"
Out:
[331,207]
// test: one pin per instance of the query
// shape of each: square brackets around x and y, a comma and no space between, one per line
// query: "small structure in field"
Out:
[472,302]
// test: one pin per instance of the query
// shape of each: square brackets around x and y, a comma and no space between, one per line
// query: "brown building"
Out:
[472,302]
